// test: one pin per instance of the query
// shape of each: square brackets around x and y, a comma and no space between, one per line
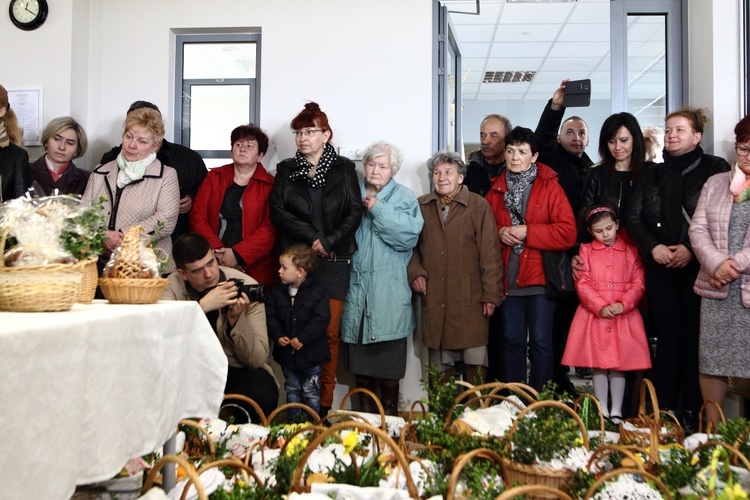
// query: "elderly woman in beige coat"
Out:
[457,269]
[138,189]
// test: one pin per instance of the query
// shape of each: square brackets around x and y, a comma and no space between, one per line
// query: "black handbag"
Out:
[558,273]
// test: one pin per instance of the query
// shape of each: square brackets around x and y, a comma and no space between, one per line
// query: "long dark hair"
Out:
[609,129]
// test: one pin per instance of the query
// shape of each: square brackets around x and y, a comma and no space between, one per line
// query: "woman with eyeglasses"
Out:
[316,201]
[658,217]
[720,236]
[231,209]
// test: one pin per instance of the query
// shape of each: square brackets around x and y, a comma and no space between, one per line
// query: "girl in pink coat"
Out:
[607,332]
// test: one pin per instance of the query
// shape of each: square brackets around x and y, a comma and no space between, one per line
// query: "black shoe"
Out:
[585,373]
[565,385]
[324,412]
[689,422]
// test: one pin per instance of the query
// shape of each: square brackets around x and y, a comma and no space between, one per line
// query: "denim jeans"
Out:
[302,386]
[532,313]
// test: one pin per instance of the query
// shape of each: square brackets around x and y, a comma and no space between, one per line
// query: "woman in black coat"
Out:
[658,218]
[14,160]
[64,139]
[316,200]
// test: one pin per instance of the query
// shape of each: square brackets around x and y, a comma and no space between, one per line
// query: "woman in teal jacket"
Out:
[378,314]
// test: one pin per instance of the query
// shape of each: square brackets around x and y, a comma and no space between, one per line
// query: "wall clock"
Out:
[28,14]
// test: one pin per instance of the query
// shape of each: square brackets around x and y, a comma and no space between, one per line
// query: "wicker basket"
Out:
[126,286]
[38,288]
[649,426]
[86,288]
[619,472]
[519,474]
[379,437]
[132,291]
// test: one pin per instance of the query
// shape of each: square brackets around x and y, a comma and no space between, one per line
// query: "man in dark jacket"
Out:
[564,151]
[191,170]
[489,160]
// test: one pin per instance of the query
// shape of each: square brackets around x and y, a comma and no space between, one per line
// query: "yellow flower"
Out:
[579,441]
[694,460]
[297,443]
[351,441]
[735,492]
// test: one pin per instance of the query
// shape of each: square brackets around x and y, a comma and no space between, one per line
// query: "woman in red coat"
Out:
[532,214]
[231,209]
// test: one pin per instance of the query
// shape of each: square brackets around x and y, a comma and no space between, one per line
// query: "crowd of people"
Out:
[658,241]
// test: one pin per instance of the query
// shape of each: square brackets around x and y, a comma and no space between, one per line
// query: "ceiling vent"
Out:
[508,76]
[539,1]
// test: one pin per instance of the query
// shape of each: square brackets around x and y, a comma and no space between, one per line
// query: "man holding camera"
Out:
[240,324]
[564,151]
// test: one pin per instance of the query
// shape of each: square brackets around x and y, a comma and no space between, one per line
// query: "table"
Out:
[83,391]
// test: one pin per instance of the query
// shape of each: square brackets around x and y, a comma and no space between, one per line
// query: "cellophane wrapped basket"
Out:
[126,285]
[37,288]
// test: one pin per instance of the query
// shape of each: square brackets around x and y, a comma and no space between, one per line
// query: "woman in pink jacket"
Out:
[720,237]
[607,332]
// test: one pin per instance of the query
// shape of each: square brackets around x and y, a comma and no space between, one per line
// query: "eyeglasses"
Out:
[742,150]
[306,133]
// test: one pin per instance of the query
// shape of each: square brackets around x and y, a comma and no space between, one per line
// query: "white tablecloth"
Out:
[83,391]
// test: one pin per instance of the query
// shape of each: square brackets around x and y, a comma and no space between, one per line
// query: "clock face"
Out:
[28,14]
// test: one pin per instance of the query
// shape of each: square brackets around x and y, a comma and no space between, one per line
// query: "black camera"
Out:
[255,293]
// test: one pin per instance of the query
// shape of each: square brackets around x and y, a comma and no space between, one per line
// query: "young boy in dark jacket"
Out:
[297,315]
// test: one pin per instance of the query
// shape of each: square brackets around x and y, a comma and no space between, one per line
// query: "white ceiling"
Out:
[557,39]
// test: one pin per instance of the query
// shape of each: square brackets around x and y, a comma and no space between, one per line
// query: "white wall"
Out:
[368,64]
[716,70]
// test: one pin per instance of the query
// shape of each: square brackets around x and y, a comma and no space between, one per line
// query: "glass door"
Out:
[648,70]
[448,89]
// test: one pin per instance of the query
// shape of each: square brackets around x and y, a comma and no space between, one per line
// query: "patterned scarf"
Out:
[517,184]
[131,170]
[739,185]
[316,176]
[4,139]
[447,200]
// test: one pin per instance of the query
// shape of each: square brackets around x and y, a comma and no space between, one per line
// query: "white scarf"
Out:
[132,170]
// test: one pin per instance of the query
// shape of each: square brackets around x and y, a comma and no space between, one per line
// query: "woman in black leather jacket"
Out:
[316,201]
[14,160]
[658,218]
[622,149]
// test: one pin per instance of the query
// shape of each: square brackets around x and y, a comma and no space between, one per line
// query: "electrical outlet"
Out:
[354,154]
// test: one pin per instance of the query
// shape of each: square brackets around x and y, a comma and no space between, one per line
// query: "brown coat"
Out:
[461,261]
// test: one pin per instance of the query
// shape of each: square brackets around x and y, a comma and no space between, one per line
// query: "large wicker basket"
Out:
[38,288]
[520,474]
[658,426]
